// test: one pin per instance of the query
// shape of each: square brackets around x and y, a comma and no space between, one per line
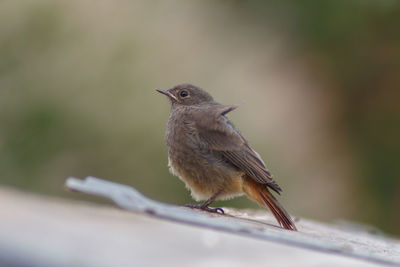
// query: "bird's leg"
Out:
[205,204]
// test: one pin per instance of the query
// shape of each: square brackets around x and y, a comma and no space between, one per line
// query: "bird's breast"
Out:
[202,170]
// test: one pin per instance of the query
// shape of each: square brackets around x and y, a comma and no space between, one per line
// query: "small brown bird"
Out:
[212,157]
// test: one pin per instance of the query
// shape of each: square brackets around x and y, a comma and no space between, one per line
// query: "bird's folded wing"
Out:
[221,136]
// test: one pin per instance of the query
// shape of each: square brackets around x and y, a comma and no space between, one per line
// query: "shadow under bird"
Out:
[212,157]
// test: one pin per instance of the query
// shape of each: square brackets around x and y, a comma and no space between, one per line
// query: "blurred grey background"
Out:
[317,83]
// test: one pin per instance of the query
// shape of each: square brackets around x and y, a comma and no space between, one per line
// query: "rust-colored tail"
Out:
[260,193]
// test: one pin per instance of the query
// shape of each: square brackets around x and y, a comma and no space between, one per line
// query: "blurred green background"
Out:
[318,83]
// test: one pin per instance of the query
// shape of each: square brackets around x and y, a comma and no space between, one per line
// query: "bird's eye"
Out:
[183,93]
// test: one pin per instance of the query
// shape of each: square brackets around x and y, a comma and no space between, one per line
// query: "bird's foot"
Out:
[201,207]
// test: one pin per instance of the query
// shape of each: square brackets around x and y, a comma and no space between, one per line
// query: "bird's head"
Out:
[187,95]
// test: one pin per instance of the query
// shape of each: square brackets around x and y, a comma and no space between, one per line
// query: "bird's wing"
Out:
[222,137]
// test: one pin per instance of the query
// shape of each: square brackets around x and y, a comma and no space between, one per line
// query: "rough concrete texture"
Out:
[44,231]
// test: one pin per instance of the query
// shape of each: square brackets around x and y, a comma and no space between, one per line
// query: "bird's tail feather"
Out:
[260,193]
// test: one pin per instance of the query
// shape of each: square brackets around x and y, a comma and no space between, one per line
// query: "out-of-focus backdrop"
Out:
[318,83]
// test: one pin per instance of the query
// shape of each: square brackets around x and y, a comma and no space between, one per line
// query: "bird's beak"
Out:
[167,93]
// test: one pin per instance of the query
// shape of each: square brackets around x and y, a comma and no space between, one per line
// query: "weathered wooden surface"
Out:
[39,231]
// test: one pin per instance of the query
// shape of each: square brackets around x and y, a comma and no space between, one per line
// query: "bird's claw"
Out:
[199,206]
